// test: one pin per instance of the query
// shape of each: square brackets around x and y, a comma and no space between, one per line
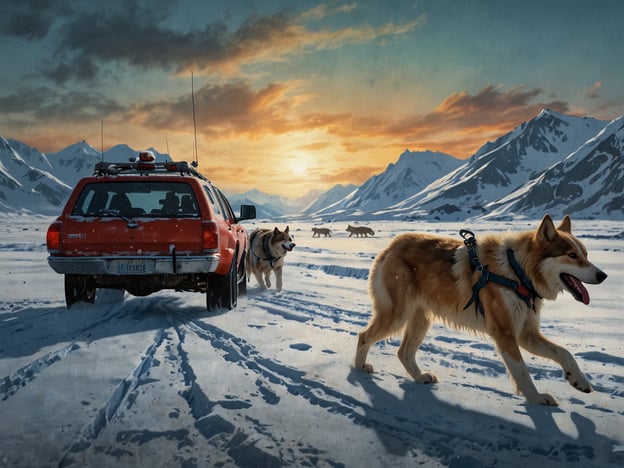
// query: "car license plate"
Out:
[132,267]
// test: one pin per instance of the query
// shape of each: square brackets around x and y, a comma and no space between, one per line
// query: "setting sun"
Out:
[299,165]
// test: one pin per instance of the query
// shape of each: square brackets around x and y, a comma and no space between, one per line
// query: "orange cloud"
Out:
[354,175]
[592,91]
[225,110]
[459,125]
[462,122]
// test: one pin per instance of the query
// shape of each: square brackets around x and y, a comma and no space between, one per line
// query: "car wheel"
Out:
[229,291]
[78,288]
[242,277]
[213,293]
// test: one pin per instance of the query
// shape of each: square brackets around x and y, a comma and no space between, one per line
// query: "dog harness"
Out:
[523,288]
[266,247]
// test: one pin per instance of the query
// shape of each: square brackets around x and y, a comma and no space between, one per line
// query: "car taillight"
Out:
[210,235]
[53,237]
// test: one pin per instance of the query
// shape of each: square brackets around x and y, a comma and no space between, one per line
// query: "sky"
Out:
[293,96]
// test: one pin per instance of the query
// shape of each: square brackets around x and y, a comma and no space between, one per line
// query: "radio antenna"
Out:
[195,161]
[167,142]
[102,139]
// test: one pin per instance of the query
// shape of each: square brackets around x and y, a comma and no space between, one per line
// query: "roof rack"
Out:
[144,165]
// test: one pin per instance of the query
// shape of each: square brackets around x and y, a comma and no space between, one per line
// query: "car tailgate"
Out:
[81,236]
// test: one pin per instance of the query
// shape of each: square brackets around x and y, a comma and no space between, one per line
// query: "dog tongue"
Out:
[578,285]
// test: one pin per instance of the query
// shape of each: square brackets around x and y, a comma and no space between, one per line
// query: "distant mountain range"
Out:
[553,163]
[35,182]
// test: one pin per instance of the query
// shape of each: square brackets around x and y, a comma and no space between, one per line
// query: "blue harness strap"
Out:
[524,288]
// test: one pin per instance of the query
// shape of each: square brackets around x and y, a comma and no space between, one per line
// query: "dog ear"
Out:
[546,232]
[287,228]
[276,231]
[566,225]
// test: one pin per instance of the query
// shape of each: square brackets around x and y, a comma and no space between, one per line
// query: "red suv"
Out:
[144,226]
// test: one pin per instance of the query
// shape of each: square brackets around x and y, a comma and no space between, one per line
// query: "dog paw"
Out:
[427,378]
[367,368]
[579,382]
[544,399]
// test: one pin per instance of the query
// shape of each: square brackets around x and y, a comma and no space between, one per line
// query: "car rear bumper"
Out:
[121,266]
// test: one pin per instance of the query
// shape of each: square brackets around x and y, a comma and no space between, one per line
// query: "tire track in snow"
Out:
[106,413]
[10,384]
[335,270]
[446,356]
[21,377]
[238,351]
[410,430]
[244,448]
[407,433]
[300,308]
[296,307]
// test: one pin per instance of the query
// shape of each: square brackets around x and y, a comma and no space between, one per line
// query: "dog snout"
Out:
[601,276]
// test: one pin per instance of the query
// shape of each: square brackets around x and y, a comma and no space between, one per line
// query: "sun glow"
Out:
[299,166]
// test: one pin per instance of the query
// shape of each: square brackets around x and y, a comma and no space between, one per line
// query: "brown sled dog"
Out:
[317,232]
[267,249]
[419,278]
[359,231]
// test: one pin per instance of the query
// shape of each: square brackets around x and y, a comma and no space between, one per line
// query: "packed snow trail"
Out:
[159,381]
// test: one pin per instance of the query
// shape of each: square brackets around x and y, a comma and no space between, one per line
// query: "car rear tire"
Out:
[213,293]
[79,288]
[229,290]
[242,277]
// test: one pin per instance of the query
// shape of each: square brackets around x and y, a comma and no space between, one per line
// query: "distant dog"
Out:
[421,277]
[267,249]
[318,231]
[359,231]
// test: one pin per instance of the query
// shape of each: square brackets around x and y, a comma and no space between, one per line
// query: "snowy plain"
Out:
[159,381]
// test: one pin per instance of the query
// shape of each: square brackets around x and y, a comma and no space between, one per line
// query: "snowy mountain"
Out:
[25,184]
[589,183]
[267,205]
[501,167]
[77,160]
[410,174]
[552,163]
[74,162]
[329,198]
[39,183]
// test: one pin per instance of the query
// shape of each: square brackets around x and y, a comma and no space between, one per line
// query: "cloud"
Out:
[592,91]
[47,105]
[135,35]
[354,175]
[459,125]
[459,119]
[226,110]
[323,10]
[31,19]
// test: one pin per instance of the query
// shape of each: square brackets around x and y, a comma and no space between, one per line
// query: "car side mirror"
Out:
[247,212]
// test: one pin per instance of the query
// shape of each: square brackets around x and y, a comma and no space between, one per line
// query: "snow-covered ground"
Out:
[158,381]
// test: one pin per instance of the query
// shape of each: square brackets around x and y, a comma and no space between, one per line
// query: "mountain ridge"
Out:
[556,163]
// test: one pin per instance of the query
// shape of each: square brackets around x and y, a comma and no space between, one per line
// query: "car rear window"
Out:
[130,199]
